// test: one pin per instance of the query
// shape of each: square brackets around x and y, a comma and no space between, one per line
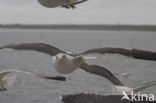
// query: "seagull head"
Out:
[61,57]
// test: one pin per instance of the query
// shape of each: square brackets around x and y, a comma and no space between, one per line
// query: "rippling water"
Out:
[28,89]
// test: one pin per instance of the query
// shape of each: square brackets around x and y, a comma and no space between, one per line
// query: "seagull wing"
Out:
[3,74]
[30,72]
[101,71]
[92,98]
[40,47]
[75,3]
[144,86]
[134,53]
[45,76]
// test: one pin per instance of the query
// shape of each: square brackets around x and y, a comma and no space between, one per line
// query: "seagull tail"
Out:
[144,86]
[8,81]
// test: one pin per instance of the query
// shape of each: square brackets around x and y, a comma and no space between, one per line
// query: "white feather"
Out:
[118,90]
[8,80]
[89,57]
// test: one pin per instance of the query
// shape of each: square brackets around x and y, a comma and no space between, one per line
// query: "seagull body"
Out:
[66,64]
[63,3]
[7,81]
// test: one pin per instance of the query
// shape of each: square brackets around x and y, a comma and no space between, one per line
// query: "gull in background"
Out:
[63,3]
[7,81]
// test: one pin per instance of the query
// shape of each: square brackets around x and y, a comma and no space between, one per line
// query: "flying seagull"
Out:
[6,81]
[118,87]
[66,62]
[63,3]
[99,98]
[119,93]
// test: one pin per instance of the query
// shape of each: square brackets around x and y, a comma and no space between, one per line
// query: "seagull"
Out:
[6,81]
[118,87]
[64,3]
[67,62]
[120,93]
[99,98]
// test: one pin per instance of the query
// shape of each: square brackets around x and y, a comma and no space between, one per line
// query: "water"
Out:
[29,89]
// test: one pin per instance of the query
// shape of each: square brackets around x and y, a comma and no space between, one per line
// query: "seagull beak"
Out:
[60,59]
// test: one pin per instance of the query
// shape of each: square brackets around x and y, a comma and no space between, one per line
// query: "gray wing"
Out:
[40,47]
[144,86]
[101,71]
[134,53]
[75,3]
[94,98]
[45,76]
[31,72]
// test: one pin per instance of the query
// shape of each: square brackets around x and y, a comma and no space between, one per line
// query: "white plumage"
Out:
[7,81]
[119,90]
[66,64]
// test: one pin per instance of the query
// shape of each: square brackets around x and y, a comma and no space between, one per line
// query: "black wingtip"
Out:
[59,78]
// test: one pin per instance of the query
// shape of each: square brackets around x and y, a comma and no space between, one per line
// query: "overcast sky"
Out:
[90,12]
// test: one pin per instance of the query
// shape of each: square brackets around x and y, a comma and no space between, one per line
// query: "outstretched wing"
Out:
[94,98]
[40,47]
[144,86]
[31,72]
[101,71]
[46,76]
[134,53]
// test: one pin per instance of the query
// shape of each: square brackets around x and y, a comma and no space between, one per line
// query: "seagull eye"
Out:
[64,56]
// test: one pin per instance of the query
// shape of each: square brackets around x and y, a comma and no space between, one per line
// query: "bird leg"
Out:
[71,5]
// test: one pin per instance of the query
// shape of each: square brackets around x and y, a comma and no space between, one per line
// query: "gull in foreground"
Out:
[99,98]
[94,98]
[67,62]
[119,93]
[63,3]
[118,87]
[7,81]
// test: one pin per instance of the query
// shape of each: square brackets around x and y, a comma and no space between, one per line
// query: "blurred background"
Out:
[97,23]
[90,12]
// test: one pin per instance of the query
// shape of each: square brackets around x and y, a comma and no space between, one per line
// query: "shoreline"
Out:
[84,27]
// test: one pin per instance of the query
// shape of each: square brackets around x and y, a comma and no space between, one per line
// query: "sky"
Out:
[136,12]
